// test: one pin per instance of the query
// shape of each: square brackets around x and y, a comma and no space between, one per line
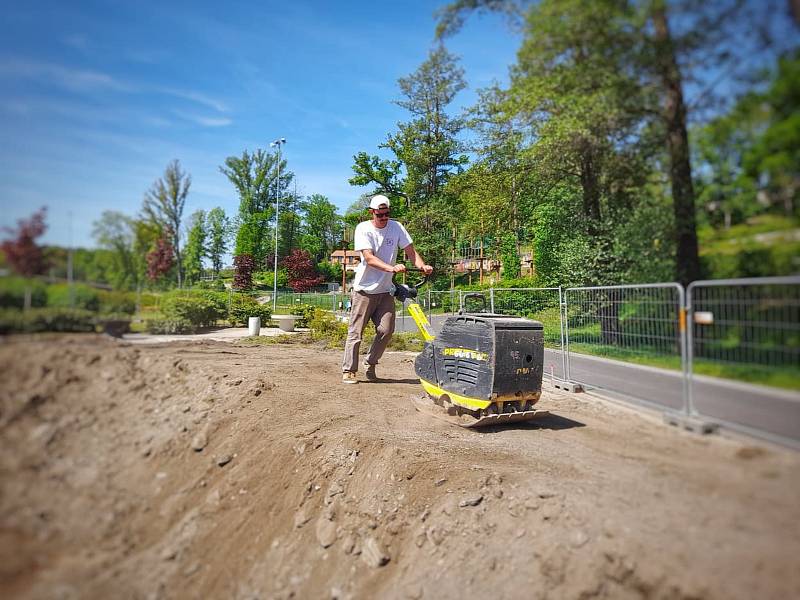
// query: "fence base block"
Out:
[693,424]
[568,386]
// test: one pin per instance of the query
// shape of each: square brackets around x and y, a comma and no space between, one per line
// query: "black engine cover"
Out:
[485,357]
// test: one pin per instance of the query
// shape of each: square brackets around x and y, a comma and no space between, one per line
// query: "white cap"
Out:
[377,201]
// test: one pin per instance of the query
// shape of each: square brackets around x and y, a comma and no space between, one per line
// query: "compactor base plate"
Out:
[427,406]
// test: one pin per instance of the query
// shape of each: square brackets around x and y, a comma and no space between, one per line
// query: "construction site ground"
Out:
[214,469]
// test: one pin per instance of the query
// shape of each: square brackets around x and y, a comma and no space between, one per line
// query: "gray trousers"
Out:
[378,308]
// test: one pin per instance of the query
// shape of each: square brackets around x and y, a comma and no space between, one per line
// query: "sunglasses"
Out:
[382,215]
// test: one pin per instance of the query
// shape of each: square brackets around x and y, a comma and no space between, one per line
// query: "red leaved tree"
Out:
[243,265]
[161,258]
[303,274]
[22,253]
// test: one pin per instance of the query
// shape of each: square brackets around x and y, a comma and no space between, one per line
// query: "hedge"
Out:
[12,292]
[46,319]
[243,306]
[199,308]
[80,296]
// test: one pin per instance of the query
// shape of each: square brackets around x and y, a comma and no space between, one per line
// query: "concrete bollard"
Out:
[254,326]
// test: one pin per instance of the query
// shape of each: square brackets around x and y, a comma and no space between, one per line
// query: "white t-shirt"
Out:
[384,244]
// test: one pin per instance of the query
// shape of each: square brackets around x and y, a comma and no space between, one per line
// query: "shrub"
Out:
[243,306]
[117,302]
[149,301]
[406,340]
[198,308]
[81,296]
[12,292]
[216,285]
[305,312]
[46,319]
[168,325]
[326,327]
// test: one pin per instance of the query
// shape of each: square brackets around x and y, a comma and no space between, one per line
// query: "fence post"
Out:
[430,310]
[567,371]
[687,353]
[491,300]
[561,305]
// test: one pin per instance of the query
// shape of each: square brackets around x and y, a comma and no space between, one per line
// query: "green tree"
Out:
[195,249]
[724,188]
[708,40]
[322,227]
[218,232]
[114,231]
[255,178]
[163,206]
[774,158]
[426,152]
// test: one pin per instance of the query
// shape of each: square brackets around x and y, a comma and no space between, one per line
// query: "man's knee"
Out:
[384,330]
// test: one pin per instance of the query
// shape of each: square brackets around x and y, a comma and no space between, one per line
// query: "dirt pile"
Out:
[212,470]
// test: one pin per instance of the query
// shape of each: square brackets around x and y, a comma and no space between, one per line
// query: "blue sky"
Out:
[98,96]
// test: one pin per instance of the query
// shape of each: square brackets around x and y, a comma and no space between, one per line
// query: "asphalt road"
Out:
[757,409]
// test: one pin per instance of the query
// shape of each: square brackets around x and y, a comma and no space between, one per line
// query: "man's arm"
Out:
[413,256]
[376,263]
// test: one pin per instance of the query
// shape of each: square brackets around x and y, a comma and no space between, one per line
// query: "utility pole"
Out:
[344,259]
[278,143]
[69,266]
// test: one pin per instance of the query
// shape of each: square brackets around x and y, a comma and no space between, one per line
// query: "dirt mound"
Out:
[212,470]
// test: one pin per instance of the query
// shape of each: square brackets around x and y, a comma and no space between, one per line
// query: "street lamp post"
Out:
[279,142]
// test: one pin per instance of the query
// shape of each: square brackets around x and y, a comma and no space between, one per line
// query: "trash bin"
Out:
[254,326]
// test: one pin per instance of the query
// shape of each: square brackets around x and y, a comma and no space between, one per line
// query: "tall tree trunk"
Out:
[688,260]
[591,191]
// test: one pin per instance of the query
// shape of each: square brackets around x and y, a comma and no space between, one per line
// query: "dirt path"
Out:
[305,488]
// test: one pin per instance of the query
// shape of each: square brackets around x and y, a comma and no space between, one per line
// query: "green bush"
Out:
[197,308]
[12,292]
[117,302]
[168,325]
[243,306]
[46,319]
[326,327]
[305,312]
[80,296]
[149,302]
[406,340]
[216,285]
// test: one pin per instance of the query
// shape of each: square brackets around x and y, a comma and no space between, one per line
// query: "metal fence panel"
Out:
[628,340]
[539,304]
[746,330]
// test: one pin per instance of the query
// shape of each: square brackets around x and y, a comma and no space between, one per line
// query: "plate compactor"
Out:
[482,369]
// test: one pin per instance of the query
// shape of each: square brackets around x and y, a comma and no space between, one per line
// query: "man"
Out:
[378,241]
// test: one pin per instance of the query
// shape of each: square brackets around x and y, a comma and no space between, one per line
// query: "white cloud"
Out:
[213,122]
[194,97]
[70,78]
[204,121]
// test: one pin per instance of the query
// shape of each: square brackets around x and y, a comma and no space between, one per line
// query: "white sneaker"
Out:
[349,377]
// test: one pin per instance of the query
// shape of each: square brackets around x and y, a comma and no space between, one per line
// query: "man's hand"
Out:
[399,269]
[427,269]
